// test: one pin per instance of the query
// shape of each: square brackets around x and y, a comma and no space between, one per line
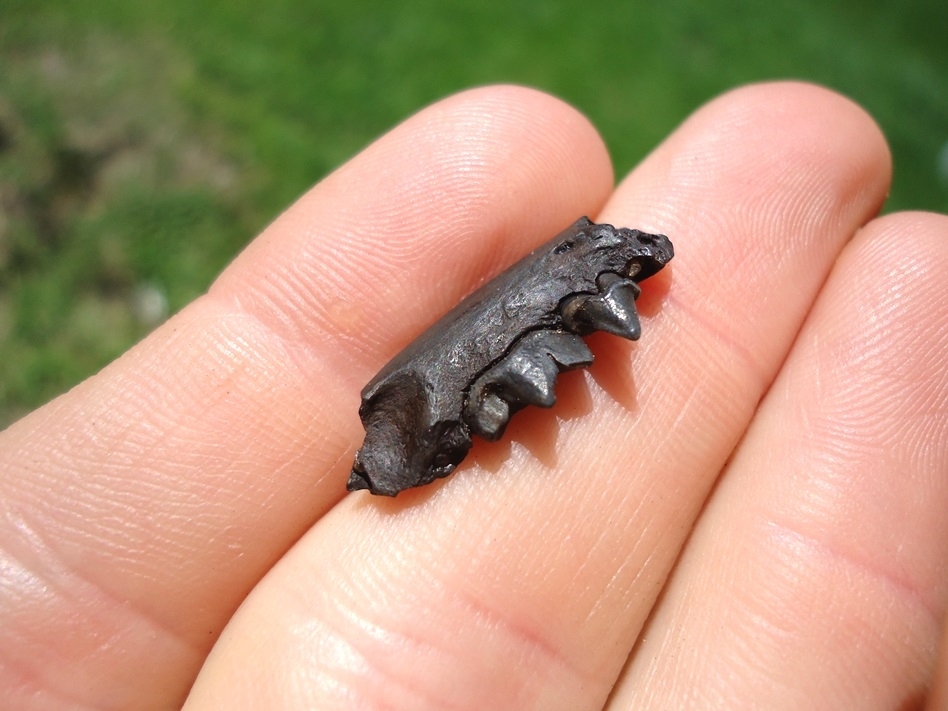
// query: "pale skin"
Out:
[745,509]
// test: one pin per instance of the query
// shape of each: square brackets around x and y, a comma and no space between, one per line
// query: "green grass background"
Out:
[143,144]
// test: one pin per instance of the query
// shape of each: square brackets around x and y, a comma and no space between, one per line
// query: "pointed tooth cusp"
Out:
[611,310]
[529,378]
[567,349]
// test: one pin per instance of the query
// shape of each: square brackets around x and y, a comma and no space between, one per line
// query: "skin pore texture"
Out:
[745,509]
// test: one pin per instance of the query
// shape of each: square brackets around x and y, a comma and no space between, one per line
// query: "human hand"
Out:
[744,510]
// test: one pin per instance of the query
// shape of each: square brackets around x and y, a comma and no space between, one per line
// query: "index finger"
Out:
[142,506]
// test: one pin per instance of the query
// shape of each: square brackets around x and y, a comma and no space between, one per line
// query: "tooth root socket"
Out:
[357,481]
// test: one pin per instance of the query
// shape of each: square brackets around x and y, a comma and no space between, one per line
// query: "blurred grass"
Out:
[142,145]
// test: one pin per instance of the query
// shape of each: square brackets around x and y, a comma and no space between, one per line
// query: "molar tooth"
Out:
[490,418]
[526,376]
[529,378]
[567,349]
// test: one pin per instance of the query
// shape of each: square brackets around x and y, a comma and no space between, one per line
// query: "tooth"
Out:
[611,310]
[529,378]
[490,419]
[567,349]
[526,376]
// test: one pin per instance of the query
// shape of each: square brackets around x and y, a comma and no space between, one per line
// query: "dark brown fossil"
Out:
[500,350]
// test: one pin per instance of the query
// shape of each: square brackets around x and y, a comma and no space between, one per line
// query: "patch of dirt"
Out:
[79,129]
[95,139]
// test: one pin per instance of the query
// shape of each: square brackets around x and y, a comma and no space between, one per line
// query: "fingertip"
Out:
[798,102]
[756,147]
[891,280]
[415,221]
[914,230]
[514,115]
[826,126]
